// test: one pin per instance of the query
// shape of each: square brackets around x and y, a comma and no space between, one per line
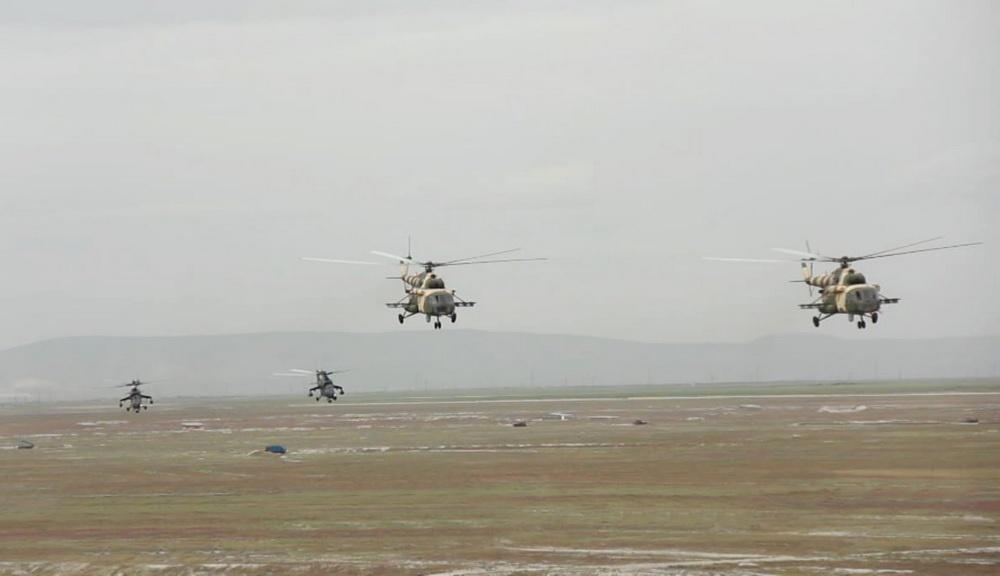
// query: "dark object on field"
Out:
[971,420]
[520,424]
[24,445]
[640,422]
[275,449]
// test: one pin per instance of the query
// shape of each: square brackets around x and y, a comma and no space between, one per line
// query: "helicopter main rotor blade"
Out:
[758,260]
[301,371]
[901,247]
[436,265]
[921,250]
[335,261]
[808,256]
[480,256]
[296,375]
[400,259]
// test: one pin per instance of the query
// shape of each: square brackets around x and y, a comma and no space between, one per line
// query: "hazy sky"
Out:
[165,164]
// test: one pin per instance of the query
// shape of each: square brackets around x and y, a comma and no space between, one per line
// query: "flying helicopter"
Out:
[425,292]
[324,388]
[845,290]
[135,397]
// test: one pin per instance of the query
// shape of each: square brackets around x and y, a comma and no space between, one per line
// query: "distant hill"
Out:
[243,363]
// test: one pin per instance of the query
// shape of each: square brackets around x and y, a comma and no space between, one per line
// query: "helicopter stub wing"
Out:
[458,304]
[889,300]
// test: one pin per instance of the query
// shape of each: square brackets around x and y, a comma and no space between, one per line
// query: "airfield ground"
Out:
[812,480]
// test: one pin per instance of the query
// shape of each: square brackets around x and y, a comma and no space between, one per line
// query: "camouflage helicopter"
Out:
[845,290]
[135,397]
[324,388]
[425,292]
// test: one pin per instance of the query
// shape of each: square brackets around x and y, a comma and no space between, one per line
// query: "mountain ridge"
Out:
[223,364]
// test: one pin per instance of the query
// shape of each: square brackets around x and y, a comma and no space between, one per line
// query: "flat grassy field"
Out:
[730,480]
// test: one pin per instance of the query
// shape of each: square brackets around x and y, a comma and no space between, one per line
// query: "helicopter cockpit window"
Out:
[854,278]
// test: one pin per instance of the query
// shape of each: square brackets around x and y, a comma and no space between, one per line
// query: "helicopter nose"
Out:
[444,304]
[870,299]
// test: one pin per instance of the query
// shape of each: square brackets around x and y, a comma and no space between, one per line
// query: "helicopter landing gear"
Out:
[818,319]
[874,317]
[437,324]
[317,398]
[861,325]
[454,317]
[401,318]
[329,400]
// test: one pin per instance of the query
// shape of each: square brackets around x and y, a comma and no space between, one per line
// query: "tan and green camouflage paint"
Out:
[844,291]
[428,295]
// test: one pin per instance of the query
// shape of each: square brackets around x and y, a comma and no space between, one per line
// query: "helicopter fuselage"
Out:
[134,400]
[858,299]
[845,291]
[325,388]
[427,295]
[437,302]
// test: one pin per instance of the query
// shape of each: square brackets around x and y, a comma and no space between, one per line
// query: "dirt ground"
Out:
[770,482]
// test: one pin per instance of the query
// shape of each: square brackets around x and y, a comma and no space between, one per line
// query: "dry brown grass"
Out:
[707,487]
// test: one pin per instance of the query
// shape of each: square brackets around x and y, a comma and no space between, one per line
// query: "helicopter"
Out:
[425,292]
[135,397]
[324,388]
[845,290]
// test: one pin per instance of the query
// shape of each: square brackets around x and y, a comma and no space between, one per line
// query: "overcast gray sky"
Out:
[165,164]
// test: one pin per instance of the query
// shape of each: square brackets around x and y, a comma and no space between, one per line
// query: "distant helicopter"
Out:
[425,292]
[845,290]
[324,388]
[135,397]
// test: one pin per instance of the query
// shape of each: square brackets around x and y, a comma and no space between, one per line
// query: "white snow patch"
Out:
[843,409]
[870,571]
